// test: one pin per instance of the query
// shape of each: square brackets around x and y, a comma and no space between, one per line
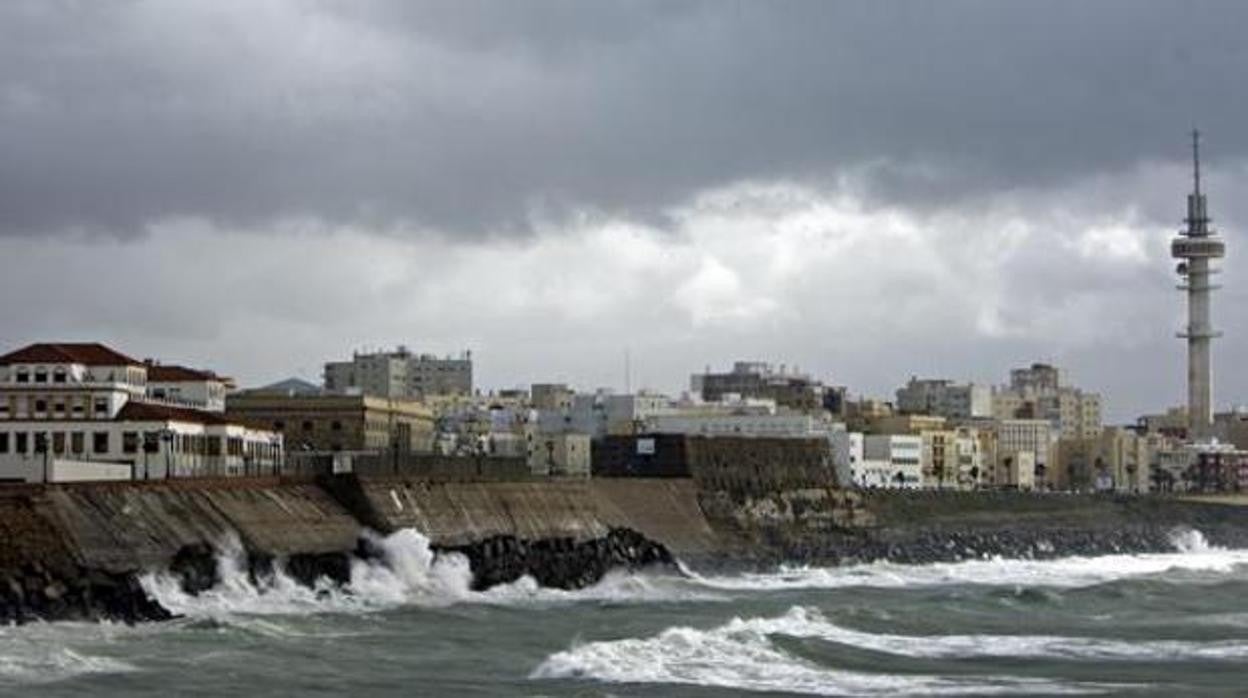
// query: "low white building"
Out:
[67,406]
[891,461]
[559,455]
[187,387]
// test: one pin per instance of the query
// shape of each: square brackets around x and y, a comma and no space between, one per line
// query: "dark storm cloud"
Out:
[474,117]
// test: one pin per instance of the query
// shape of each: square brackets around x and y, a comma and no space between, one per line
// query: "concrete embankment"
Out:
[74,551]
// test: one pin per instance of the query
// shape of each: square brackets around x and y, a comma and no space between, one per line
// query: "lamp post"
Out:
[151,444]
[275,442]
[41,446]
[166,437]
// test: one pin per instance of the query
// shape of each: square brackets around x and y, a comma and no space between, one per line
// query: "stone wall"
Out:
[744,467]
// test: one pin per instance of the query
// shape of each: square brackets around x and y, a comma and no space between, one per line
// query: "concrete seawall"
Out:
[67,546]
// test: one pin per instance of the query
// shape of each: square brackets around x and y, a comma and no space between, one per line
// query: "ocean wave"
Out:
[1194,554]
[32,655]
[741,655]
[407,573]
[805,622]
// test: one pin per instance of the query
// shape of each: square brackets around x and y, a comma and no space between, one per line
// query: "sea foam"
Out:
[1194,554]
[407,572]
[741,655]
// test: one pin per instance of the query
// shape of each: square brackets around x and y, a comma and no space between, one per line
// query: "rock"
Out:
[559,562]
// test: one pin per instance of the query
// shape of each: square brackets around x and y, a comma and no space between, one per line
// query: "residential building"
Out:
[565,454]
[1018,441]
[327,422]
[945,398]
[400,374]
[187,387]
[891,461]
[848,459]
[1040,392]
[551,396]
[757,379]
[84,411]
[905,424]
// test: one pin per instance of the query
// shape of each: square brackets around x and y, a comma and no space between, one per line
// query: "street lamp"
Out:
[166,437]
[41,446]
[275,442]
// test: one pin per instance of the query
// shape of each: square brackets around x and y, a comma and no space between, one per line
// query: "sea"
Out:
[1163,624]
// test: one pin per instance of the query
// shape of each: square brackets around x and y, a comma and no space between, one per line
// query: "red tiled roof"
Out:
[88,354]
[163,373]
[135,411]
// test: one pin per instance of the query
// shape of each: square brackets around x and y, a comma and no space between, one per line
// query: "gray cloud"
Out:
[868,190]
[474,117]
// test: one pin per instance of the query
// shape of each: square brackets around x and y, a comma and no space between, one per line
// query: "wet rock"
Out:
[196,567]
[561,563]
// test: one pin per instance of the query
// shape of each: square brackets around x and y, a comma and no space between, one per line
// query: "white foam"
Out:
[741,655]
[37,654]
[803,622]
[407,573]
[1195,555]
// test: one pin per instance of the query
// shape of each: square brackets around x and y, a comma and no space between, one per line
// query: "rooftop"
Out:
[85,353]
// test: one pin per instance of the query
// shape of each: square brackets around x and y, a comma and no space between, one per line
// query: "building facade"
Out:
[88,409]
[757,379]
[945,398]
[400,374]
[336,423]
[891,461]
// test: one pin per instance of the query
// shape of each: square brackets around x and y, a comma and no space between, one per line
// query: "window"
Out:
[279,425]
[130,442]
[214,445]
[59,376]
[23,376]
[99,442]
[58,406]
[4,442]
[307,425]
[77,442]
[336,425]
[41,405]
[58,442]
[101,406]
[21,442]
[41,375]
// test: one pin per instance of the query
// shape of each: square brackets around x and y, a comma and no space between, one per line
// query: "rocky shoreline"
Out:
[77,552]
[35,593]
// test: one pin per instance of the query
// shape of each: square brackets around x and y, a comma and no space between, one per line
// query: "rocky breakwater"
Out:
[41,577]
[78,552]
[830,526]
[561,563]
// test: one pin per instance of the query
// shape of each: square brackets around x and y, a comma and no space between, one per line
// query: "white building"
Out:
[400,374]
[187,387]
[847,457]
[755,425]
[559,455]
[891,461]
[83,410]
[944,398]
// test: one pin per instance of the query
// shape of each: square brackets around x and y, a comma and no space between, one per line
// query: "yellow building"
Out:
[324,422]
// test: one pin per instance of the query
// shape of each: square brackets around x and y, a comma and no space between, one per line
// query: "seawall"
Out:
[75,550]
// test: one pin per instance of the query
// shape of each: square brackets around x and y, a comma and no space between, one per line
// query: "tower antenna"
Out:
[1196,158]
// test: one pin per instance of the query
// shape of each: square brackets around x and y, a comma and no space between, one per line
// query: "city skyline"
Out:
[560,189]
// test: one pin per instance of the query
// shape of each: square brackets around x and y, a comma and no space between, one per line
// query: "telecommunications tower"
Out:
[1197,247]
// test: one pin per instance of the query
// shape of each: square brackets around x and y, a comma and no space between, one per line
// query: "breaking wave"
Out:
[406,573]
[37,654]
[1194,554]
[742,655]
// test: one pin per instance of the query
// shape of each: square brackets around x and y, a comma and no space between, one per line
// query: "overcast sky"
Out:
[864,191]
